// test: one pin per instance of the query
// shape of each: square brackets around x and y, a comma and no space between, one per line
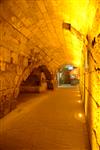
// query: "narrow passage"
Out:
[50,121]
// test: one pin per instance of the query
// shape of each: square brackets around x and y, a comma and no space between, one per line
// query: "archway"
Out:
[48,75]
[39,80]
[68,75]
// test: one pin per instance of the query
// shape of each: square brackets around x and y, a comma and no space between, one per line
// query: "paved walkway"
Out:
[51,121]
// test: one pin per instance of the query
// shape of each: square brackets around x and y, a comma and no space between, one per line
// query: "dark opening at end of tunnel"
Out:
[68,75]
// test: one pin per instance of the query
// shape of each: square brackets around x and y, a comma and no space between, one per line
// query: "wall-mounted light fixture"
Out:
[69,27]
[66,26]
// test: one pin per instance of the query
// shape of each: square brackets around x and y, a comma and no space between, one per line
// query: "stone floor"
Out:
[50,121]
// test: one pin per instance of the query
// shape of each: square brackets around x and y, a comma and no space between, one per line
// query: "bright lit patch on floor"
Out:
[80,116]
[79,101]
[78,95]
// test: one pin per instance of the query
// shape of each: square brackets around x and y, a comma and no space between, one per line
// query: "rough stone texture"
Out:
[94,75]
[24,33]
[90,85]
[31,35]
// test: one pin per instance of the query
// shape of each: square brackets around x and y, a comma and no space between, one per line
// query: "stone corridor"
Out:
[49,121]
[38,39]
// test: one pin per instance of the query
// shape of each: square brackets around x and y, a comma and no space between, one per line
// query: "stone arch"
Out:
[48,75]
[35,76]
[22,77]
[45,70]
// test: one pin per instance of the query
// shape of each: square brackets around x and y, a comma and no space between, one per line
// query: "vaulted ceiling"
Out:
[36,25]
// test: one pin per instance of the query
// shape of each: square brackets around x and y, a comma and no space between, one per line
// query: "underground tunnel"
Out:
[50,49]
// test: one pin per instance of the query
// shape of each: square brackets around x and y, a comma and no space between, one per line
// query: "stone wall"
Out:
[17,61]
[14,68]
[90,89]
[18,57]
[94,92]
[90,80]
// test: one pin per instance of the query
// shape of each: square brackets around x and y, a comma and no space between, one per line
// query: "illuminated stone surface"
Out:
[31,35]
[92,91]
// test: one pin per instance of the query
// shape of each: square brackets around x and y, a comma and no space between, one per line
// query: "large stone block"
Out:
[7,103]
[19,70]
[4,54]
[25,62]
[14,58]
[16,79]
[2,66]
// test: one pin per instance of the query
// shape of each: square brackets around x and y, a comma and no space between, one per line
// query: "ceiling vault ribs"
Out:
[27,38]
[41,23]
[52,24]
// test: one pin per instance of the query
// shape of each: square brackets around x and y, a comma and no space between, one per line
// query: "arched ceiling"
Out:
[37,25]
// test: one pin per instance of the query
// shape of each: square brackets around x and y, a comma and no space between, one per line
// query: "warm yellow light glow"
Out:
[76,13]
[78,95]
[79,101]
[75,45]
[80,15]
[91,14]
[80,115]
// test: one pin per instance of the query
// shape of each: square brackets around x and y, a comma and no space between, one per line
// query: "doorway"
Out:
[68,75]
